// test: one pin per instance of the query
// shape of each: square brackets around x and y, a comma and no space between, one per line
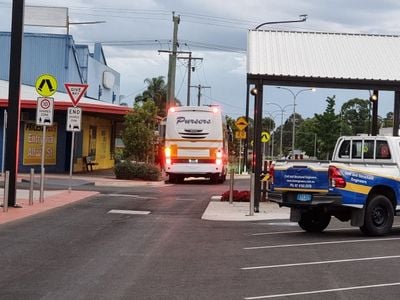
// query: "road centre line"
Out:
[321,262]
[322,243]
[324,291]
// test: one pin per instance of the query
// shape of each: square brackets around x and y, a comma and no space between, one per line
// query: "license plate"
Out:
[304,197]
[193,161]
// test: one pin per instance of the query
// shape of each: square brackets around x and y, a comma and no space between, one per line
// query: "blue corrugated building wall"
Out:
[58,55]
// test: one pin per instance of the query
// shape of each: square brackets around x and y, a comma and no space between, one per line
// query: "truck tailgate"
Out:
[301,177]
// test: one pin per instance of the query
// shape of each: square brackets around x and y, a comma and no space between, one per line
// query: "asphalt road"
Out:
[82,251]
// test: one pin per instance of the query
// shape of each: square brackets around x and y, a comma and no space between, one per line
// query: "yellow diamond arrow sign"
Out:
[241,123]
[265,136]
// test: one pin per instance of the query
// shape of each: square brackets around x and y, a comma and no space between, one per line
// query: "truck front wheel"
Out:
[314,221]
[378,218]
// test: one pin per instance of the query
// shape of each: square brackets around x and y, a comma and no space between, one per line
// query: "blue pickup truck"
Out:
[361,184]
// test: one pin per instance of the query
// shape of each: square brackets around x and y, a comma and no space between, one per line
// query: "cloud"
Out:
[206,28]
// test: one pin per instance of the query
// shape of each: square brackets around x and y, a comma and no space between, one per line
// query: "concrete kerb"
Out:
[218,210]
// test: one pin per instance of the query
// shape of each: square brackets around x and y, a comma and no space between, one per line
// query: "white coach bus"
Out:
[196,143]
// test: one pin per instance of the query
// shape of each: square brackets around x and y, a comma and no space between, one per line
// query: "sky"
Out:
[216,31]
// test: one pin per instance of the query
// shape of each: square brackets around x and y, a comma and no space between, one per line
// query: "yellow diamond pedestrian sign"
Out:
[46,85]
[265,136]
[241,123]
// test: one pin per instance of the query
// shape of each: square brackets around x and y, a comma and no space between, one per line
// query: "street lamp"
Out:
[303,18]
[282,109]
[294,110]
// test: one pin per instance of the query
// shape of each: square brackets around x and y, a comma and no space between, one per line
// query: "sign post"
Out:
[241,124]
[74,121]
[74,118]
[265,137]
[44,117]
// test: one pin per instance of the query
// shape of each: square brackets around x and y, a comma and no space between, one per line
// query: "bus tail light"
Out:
[335,177]
[218,161]
[167,152]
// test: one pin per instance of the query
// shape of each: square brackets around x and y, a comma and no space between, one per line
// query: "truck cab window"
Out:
[382,150]
[368,149]
[357,149]
[344,151]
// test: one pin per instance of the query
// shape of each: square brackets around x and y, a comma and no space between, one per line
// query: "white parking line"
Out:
[299,231]
[129,212]
[321,262]
[324,291]
[322,243]
[131,196]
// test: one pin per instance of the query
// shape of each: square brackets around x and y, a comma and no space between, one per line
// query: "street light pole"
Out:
[294,112]
[272,129]
[282,109]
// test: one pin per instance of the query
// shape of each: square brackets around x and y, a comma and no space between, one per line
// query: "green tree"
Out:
[139,133]
[327,129]
[388,121]
[355,117]
[306,136]
[157,92]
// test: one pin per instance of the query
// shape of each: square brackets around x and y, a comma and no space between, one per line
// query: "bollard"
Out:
[6,188]
[31,186]
[252,194]
[231,178]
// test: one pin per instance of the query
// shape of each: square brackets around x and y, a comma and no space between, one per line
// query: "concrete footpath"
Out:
[216,210]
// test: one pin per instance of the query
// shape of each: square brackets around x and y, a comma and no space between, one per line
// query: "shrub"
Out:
[238,196]
[130,170]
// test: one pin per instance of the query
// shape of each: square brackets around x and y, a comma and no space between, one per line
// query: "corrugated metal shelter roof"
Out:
[317,56]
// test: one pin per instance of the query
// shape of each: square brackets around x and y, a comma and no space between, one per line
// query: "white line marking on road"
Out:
[185,199]
[128,195]
[281,223]
[321,243]
[324,291]
[321,262]
[129,212]
[301,231]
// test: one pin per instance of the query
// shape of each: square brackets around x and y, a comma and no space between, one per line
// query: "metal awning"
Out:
[335,60]
[317,59]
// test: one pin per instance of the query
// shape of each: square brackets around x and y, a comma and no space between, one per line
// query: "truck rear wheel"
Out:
[314,221]
[378,218]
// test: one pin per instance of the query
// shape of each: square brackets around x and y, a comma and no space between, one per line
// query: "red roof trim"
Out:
[63,105]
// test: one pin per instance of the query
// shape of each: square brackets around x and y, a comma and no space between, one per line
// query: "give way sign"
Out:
[75,91]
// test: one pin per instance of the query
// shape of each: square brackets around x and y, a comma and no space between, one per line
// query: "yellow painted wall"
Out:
[103,143]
